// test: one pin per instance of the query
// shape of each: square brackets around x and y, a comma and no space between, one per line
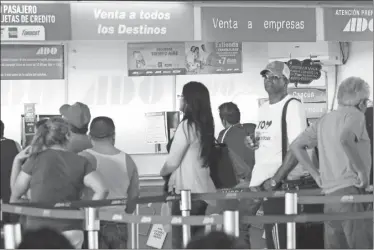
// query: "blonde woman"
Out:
[53,174]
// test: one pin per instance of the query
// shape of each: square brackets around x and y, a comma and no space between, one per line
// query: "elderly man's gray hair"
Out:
[353,90]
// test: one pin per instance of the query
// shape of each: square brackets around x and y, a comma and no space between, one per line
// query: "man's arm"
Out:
[18,161]
[133,190]
[308,139]
[289,163]
[353,129]
[23,179]
[296,124]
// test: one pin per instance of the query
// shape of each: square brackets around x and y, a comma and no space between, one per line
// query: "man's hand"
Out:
[251,144]
[267,185]
[242,184]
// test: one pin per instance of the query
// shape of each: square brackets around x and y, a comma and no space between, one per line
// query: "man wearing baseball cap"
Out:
[273,165]
[120,176]
[78,116]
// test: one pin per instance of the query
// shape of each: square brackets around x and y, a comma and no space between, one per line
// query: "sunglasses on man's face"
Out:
[270,77]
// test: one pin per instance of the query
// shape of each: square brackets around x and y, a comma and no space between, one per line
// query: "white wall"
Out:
[360,63]
[244,89]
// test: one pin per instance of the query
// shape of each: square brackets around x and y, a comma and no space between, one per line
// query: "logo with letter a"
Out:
[358,25]
[47,51]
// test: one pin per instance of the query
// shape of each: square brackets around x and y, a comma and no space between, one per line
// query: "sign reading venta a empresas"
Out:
[35,22]
[348,24]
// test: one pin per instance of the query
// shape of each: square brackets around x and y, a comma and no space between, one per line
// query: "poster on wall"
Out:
[30,118]
[156,129]
[149,59]
[152,59]
[35,22]
[213,58]
[303,72]
[32,62]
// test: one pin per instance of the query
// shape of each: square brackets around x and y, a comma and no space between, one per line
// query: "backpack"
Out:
[221,167]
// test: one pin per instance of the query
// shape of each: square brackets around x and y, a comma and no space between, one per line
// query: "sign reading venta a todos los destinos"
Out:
[133,21]
[35,22]
[348,24]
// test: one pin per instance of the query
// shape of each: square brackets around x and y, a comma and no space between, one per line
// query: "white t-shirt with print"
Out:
[269,130]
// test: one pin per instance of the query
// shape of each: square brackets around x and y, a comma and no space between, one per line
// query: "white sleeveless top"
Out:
[114,172]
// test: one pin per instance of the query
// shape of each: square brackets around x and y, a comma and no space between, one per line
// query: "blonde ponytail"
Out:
[39,141]
[54,132]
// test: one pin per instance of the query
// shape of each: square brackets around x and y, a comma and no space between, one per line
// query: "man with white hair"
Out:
[344,162]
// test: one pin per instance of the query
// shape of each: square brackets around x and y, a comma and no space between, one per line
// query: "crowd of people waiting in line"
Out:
[72,158]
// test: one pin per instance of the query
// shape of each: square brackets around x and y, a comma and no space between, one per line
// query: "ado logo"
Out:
[47,51]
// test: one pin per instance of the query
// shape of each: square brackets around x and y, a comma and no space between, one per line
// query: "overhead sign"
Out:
[348,24]
[303,72]
[309,95]
[258,24]
[32,62]
[315,110]
[35,22]
[190,58]
[133,21]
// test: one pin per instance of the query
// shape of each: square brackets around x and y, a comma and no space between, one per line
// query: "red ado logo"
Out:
[358,25]
[47,51]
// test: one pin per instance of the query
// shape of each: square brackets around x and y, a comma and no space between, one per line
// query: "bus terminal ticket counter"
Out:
[130,60]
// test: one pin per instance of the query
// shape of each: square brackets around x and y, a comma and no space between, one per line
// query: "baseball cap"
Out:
[78,114]
[102,127]
[277,68]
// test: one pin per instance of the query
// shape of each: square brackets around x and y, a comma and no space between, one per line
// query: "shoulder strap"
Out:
[224,134]
[284,127]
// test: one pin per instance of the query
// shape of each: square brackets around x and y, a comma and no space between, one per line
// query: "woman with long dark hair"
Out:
[53,174]
[189,157]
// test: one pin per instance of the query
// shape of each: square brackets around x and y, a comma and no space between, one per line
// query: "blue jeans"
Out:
[353,234]
[197,208]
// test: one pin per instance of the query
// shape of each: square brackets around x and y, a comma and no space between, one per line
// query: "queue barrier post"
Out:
[135,231]
[231,223]
[17,234]
[185,207]
[291,209]
[1,210]
[92,226]
[9,237]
